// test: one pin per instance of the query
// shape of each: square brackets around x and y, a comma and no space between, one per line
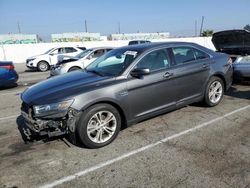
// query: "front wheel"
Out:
[214,91]
[99,125]
[43,66]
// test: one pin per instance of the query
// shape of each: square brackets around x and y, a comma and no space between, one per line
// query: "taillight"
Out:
[9,67]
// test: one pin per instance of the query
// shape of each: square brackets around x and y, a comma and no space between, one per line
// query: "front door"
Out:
[152,92]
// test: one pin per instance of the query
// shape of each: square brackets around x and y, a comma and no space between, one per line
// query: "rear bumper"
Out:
[229,77]
[241,71]
[10,79]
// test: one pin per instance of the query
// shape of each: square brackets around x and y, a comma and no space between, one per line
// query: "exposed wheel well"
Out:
[123,117]
[74,67]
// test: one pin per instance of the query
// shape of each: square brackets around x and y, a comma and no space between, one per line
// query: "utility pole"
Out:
[86,26]
[195,28]
[202,21]
[18,27]
[119,28]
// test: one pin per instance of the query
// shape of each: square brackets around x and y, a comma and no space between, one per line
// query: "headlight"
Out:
[48,109]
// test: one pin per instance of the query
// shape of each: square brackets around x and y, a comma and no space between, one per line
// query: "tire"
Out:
[214,92]
[92,130]
[74,69]
[43,66]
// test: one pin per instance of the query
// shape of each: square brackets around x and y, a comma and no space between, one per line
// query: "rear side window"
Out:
[200,55]
[155,60]
[69,50]
[187,54]
[183,55]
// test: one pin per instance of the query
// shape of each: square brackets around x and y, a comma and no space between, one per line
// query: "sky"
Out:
[44,17]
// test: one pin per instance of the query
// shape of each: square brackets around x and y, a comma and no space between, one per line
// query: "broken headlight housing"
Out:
[48,109]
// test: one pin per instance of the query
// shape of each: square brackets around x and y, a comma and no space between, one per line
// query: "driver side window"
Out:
[155,60]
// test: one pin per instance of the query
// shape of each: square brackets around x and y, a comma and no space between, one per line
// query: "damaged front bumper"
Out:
[52,126]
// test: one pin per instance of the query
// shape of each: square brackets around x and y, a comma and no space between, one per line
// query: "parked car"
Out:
[242,68]
[44,61]
[8,75]
[78,62]
[125,86]
[236,43]
[133,42]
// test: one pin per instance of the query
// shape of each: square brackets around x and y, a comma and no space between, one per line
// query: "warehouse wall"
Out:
[18,53]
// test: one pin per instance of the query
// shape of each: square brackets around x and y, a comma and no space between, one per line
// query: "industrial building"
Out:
[139,36]
[19,39]
[75,37]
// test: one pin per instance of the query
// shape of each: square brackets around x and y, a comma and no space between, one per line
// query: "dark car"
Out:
[8,75]
[133,42]
[236,43]
[123,87]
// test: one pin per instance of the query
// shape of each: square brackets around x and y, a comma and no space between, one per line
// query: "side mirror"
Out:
[138,73]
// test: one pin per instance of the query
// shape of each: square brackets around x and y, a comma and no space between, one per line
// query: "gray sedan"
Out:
[123,87]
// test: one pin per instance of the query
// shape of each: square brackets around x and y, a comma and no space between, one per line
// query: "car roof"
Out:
[100,48]
[147,46]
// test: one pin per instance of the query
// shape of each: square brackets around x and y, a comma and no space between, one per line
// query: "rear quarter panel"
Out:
[221,68]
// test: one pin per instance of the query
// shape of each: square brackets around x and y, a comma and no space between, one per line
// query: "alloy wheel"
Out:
[215,92]
[101,126]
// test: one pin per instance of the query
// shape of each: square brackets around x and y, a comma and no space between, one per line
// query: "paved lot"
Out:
[191,147]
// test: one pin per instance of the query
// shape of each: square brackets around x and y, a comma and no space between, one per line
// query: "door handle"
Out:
[168,75]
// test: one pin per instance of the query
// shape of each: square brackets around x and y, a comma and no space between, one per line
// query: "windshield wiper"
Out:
[95,72]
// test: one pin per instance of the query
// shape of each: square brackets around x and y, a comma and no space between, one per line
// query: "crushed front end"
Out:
[50,121]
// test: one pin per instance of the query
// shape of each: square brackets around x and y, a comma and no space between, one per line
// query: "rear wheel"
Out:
[99,125]
[43,66]
[214,91]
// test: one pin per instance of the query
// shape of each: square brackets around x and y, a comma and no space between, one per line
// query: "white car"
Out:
[78,62]
[44,61]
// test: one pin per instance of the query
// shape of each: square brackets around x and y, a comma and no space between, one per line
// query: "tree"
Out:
[247,27]
[207,33]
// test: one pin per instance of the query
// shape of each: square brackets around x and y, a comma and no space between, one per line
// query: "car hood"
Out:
[233,42]
[36,56]
[63,87]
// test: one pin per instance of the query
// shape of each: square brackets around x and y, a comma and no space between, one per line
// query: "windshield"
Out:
[47,52]
[84,53]
[113,63]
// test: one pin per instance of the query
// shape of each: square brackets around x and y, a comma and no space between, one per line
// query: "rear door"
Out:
[191,71]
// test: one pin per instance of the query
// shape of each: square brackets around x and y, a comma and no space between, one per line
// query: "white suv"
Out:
[44,61]
[78,62]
